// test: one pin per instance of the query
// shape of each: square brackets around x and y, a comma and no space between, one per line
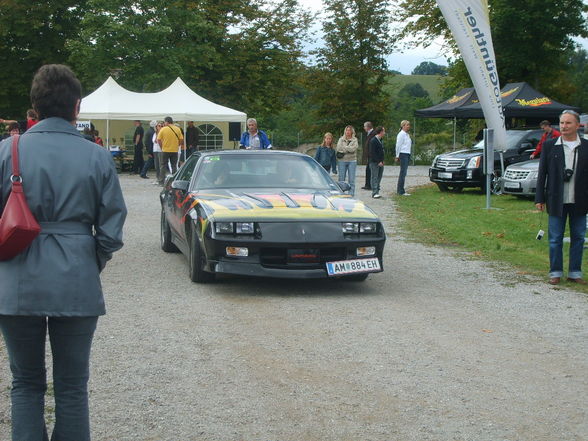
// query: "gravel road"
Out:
[439,347]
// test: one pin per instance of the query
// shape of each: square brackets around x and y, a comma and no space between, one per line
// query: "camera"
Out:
[540,235]
[568,173]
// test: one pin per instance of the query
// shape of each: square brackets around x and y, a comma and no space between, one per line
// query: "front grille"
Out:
[278,258]
[450,163]
[516,175]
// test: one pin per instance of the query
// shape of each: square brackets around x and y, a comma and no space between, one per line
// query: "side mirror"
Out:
[344,186]
[180,185]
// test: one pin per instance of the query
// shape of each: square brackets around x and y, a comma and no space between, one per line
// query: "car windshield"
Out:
[512,140]
[264,171]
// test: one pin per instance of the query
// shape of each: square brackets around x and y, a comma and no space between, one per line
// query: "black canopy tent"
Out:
[519,100]
[448,108]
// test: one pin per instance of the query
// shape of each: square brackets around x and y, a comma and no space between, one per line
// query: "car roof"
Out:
[250,152]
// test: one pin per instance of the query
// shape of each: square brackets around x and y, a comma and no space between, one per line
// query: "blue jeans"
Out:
[556,228]
[404,160]
[375,177]
[71,340]
[347,168]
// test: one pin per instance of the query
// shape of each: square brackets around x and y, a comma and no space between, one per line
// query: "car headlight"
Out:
[224,227]
[359,227]
[234,227]
[533,175]
[244,227]
[435,160]
[474,162]
[368,227]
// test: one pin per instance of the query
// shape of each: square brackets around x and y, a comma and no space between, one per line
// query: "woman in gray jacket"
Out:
[53,286]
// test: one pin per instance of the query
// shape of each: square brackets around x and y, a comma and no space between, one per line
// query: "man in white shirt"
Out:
[561,188]
[403,150]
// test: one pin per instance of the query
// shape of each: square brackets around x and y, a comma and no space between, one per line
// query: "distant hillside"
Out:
[431,83]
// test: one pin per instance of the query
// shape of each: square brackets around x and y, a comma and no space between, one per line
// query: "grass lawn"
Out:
[504,236]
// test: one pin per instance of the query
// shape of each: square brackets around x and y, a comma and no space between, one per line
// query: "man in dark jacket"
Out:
[376,155]
[149,146]
[562,187]
[370,133]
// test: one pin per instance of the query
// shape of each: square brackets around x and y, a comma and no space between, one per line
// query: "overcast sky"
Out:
[403,60]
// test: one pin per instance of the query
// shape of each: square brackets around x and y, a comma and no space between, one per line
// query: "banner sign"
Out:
[81,125]
[469,23]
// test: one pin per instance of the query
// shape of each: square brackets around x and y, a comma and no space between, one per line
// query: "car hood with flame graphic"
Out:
[280,205]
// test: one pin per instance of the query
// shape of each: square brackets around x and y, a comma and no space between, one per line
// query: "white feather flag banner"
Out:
[469,23]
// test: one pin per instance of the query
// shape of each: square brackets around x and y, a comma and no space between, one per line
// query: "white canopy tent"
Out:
[113,102]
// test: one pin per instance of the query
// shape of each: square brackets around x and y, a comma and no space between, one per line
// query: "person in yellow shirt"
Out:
[171,139]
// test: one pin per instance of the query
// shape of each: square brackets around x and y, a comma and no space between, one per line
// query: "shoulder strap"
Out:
[15,169]
[174,132]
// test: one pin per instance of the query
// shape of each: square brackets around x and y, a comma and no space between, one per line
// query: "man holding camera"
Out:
[562,186]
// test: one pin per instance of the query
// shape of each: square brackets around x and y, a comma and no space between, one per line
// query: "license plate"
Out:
[445,175]
[512,185]
[353,266]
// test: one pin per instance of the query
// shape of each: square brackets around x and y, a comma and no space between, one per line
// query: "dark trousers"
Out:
[376,177]
[172,159]
[138,160]
[71,341]
[404,160]
[368,176]
[148,164]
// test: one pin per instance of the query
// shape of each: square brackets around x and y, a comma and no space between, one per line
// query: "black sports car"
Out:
[267,213]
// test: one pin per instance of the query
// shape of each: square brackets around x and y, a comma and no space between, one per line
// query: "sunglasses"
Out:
[572,112]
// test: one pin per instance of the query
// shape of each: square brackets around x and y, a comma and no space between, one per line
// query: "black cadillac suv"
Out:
[457,170]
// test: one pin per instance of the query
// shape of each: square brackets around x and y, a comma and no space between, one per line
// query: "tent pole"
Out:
[454,130]
[108,134]
[414,136]
[185,141]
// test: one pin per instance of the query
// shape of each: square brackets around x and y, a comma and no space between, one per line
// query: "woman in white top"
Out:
[347,157]
[159,173]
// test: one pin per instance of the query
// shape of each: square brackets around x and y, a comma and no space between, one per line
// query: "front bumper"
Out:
[299,253]
[463,177]
[526,187]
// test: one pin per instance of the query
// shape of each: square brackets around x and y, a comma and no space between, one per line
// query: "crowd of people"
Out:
[341,158]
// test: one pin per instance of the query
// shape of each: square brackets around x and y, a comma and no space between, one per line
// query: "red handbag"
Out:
[18,226]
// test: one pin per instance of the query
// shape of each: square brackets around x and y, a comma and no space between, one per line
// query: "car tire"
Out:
[356,277]
[456,188]
[166,243]
[442,187]
[197,261]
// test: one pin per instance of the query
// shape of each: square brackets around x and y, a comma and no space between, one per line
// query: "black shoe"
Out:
[145,176]
[366,188]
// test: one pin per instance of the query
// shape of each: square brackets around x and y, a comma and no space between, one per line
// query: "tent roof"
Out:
[112,101]
[522,101]
[447,108]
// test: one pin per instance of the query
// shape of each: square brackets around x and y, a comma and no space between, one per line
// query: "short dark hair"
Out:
[378,130]
[544,123]
[13,126]
[169,120]
[55,92]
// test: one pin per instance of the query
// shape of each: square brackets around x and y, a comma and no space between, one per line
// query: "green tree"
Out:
[240,53]
[346,85]
[32,34]
[530,37]
[429,68]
